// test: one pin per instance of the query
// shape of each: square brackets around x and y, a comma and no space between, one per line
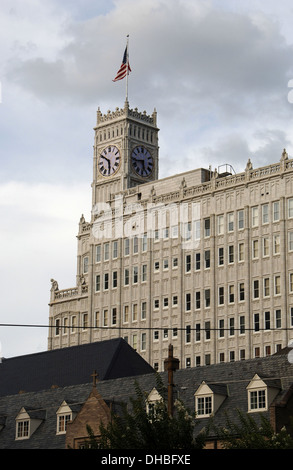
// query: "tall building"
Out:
[202,259]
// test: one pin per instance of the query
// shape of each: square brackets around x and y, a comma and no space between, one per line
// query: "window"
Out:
[135,274]
[84,321]
[241,252]
[144,242]
[266,287]
[134,341]
[221,328]
[165,264]
[221,256]
[156,304]
[114,316]
[144,273]
[98,253]
[254,249]
[290,241]
[207,259]
[126,246]
[257,400]
[208,401]
[260,395]
[256,289]
[256,322]
[278,318]
[143,310]
[98,282]
[105,318]
[126,314]
[276,240]
[267,318]
[157,266]
[197,258]
[134,312]
[143,342]
[204,406]
[197,300]
[207,296]
[242,325]
[174,300]
[276,211]
[277,285]
[22,429]
[254,216]
[188,263]
[207,228]
[290,208]
[231,254]
[135,244]
[106,251]
[207,327]
[188,302]
[240,219]
[231,326]
[241,292]
[197,332]
[230,222]
[106,281]
[73,324]
[265,214]
[174,332]
[175,263]
[64,415]
[165,302]
[115,249]
[291,282]
[188,334]
[85,264]
[26,425]
[57,327]
[220,224]
[265,246]
[221,296]
[126,277]
[114,279]
[231,294]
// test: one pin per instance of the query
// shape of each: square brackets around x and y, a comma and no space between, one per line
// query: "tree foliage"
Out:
[138,427]
[248,433]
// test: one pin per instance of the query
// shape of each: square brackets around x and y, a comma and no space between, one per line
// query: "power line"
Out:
[187,327]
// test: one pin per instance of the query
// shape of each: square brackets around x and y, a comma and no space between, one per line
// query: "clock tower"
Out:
[126,151]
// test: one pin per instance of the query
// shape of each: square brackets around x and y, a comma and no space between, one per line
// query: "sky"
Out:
[218,73]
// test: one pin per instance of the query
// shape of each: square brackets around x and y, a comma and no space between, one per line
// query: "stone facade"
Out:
[202,259]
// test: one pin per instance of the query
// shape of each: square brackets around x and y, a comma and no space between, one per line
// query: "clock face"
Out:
[142,161]
[109,161]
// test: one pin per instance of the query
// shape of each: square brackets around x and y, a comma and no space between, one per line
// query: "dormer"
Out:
[208,399]
[27,422]
[261,393]
[65,413]
[153,398]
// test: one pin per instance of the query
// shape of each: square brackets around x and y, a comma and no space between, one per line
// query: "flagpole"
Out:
[127,65]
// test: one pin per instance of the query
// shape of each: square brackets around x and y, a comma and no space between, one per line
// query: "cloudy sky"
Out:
[217,71]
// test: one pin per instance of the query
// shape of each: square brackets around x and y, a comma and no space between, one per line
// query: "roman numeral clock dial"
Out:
[142,161]
[109,161]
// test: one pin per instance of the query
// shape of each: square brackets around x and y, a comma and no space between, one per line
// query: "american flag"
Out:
[125,67]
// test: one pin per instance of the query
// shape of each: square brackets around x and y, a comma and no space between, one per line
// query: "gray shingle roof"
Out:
[230,377]
[70,366]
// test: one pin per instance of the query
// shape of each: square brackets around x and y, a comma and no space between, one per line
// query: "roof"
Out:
[231,378]
[74,365]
